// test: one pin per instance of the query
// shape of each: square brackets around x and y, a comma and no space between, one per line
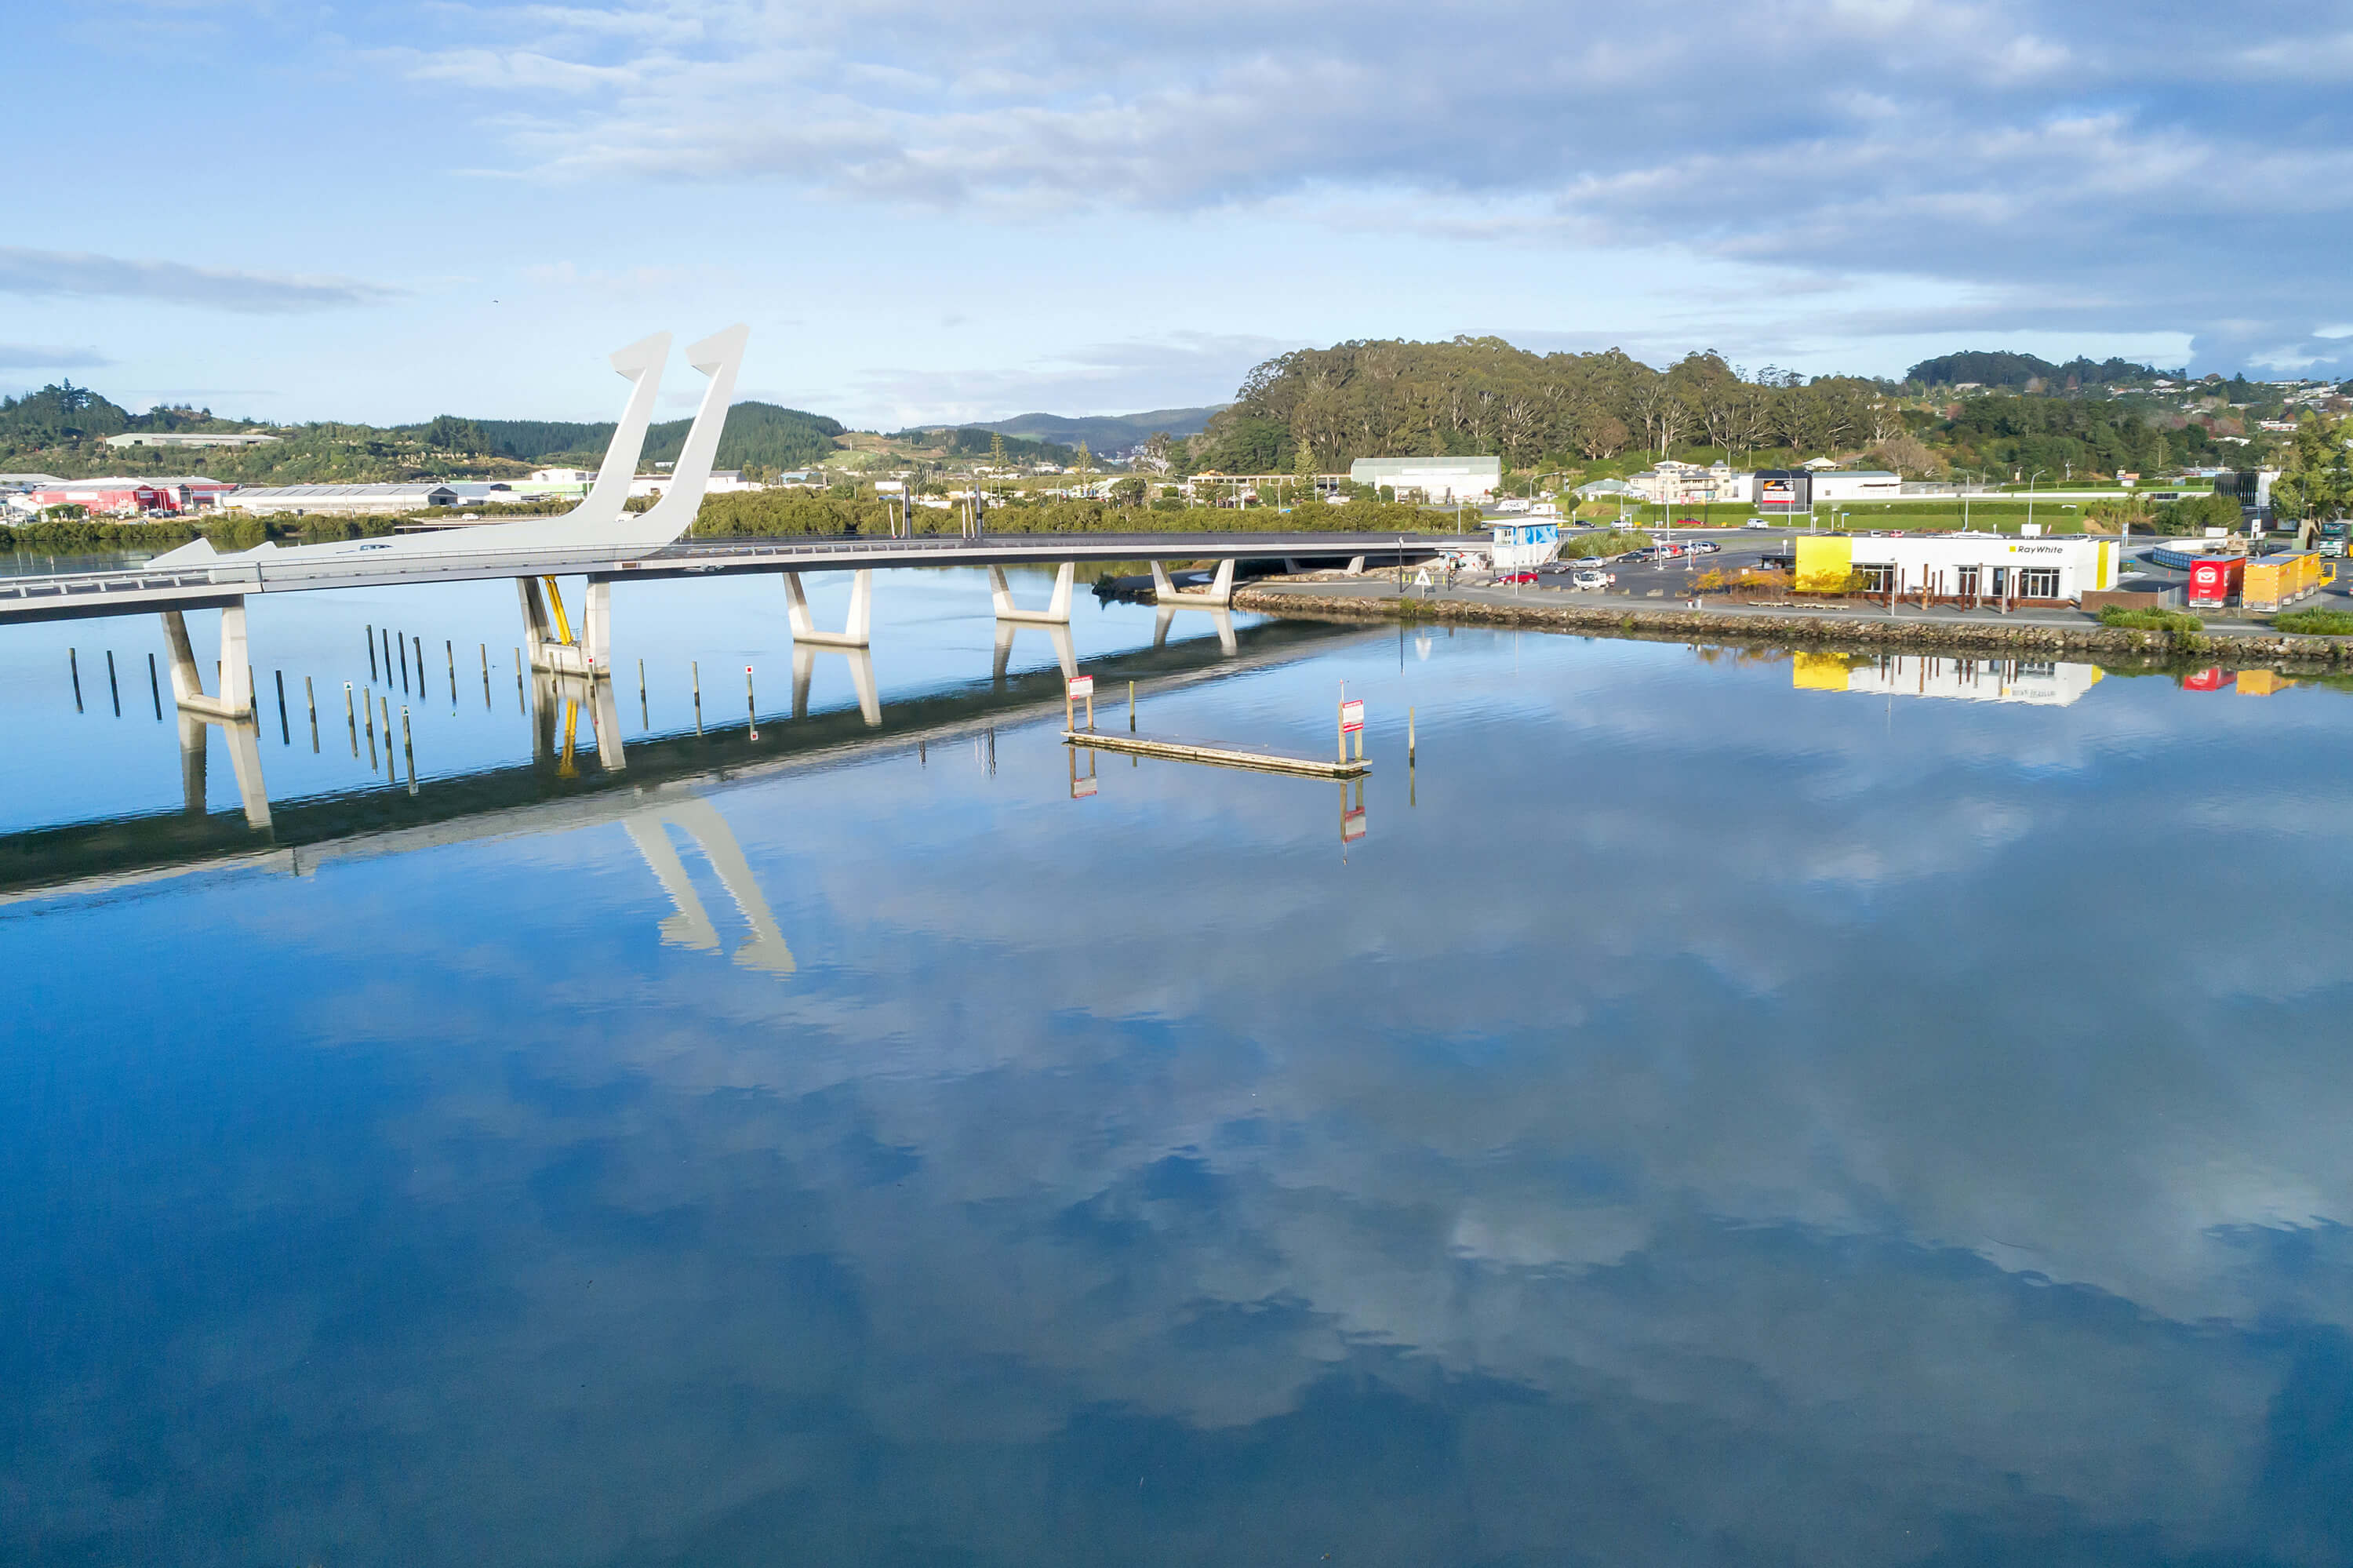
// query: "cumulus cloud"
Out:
[2162,175]
[79,274]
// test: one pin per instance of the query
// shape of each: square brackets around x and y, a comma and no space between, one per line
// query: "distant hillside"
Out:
[973,441]
[763,433]
[2019,372]
[1104,433]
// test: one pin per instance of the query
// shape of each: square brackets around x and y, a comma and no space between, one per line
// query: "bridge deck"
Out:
[67,595]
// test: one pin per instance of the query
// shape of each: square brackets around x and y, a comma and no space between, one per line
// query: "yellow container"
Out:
[2277,580]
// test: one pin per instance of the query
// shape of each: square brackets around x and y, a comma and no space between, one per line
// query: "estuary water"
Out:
[1709,1109]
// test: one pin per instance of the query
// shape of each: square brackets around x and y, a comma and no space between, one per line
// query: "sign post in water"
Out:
[1076,687]
[1352,722]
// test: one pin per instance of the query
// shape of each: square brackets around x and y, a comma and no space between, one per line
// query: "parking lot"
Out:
[1735,549]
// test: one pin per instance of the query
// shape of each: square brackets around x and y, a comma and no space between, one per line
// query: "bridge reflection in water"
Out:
[581,774]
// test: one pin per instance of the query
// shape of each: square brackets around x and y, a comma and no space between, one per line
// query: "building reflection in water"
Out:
[2047,683]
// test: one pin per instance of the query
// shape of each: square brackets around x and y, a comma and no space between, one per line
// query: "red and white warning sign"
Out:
[1080,686]
[1352,716]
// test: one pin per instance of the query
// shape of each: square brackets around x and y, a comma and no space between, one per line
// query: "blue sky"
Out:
[383,212]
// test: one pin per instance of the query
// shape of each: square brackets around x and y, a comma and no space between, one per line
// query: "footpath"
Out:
[2037,631]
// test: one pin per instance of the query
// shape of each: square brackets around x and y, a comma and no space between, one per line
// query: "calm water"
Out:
[1716,1112]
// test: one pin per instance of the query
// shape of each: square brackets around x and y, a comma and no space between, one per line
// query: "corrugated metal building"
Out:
[369,500]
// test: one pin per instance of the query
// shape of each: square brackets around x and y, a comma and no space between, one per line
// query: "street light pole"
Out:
[2031,477]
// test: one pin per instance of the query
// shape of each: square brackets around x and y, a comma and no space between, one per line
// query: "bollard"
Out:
[645,715]
[406,750]
[1131,706]
[285,733]
[351,721]
[113,689]
[518,653]
[371,642]
[1408,737]
[486,676]
[748,693]
[387,676]
[420,666]
[403,643]
[155,687]
[73,664]
[694,668]
[391,769]
[311,701]
[451,649]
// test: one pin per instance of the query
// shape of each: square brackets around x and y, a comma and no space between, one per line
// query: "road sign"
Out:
[1080,686]
[1352,716]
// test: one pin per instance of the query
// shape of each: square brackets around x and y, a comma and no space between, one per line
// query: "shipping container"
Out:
[2213,582]
[2276,582]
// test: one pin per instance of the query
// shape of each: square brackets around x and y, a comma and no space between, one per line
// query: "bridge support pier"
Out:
[862,680]
[1217,595]
[1065,652]
[236,699]
[549,642]
[861,612]
[232,710]
[1058,609]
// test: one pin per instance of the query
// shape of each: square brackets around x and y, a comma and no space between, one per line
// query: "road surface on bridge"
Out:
[223,580]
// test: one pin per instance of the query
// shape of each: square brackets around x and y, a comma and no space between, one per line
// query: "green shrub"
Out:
[1614,542]
[2150,619]
[2316,622]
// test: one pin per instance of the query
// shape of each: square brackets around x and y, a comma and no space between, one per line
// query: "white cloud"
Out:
[58,273]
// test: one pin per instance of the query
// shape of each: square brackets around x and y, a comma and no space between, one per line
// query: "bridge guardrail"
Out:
[254,575]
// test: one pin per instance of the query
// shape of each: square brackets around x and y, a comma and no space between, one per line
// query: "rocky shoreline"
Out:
[1798,629]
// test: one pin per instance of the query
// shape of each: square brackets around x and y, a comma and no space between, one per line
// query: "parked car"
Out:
[1589,579]
[1503,578]
[1756,523]
[1704,548]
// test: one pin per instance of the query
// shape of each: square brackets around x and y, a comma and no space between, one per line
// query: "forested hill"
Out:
[62,429]
[2026,373]
[1601,412]
[760,433]
[763,433]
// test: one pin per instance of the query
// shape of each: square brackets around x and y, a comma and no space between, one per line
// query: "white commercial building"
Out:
[1436,478]
[348,500]
[1966,567]
[186,439]
[1857,484]
[722,481]
[1673,483]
